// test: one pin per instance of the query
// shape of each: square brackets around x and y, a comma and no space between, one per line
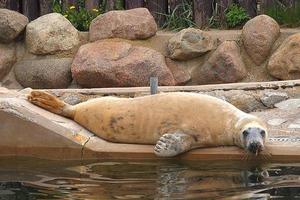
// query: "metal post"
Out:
[153,85]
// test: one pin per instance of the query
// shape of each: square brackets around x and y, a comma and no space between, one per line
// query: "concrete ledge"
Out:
[27,130]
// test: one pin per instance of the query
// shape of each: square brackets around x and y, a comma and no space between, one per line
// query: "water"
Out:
[23,178]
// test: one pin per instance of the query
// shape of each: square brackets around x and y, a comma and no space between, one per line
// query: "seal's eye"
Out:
[245,133]
[263,133]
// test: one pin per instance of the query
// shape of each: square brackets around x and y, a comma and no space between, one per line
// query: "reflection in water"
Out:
[38,179]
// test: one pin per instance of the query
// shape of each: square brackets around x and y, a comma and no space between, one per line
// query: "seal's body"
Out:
[175,122]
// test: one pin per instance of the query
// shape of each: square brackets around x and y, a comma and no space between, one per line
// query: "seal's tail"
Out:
[51,103]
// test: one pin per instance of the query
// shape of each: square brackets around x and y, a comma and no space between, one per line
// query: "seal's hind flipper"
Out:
[51,103]
[170,145]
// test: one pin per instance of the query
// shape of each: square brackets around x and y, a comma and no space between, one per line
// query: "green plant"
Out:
[81,18]
[180,18]
[286,16]
[235,16]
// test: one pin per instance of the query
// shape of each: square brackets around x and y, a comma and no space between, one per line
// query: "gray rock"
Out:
[7,59]
[269,99]
[244,101]
[51,33]
[294,126]
[72,99]
[45,73]
[12,24]
[290,104]
[190,43]
[276,121]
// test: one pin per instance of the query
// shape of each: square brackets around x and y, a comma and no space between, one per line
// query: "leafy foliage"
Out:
[180,18]
[81,17]
[286,16]
[235,16]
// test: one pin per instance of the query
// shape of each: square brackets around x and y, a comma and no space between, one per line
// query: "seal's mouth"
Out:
[255,148]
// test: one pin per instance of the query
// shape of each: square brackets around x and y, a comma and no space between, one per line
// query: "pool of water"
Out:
[24,178]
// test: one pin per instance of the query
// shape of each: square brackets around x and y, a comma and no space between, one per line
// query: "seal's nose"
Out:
[255,147]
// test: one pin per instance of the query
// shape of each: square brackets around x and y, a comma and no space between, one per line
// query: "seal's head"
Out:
[253,139]
[251,134]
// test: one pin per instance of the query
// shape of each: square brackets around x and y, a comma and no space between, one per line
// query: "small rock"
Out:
[45,73]
[180,74]
[290,104]
[294,126]
[284,64]
[190,43]
[72,99]
[12,24]
[51,33]
[225,65]
[269,99]
[297,121]
[244,101]
[7,59]
[276,121]
[119,64]
[259,35]
[128,24]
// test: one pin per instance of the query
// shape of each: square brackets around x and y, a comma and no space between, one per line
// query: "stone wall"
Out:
[124,48]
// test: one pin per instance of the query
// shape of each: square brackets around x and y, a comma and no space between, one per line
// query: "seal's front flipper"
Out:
[170,145]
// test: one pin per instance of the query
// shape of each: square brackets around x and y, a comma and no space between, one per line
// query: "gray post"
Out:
[153,85]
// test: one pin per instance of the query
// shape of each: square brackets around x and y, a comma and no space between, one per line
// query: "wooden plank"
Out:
[130,4]
[221,6]
[3,3]
[158,8]
[203,11]
[68,3]
[249,6]
[289,3]
[91,4]
[265,4]
[30,8]
[45,6]
[11,4]
[110,5]
[173,4]
[194,88]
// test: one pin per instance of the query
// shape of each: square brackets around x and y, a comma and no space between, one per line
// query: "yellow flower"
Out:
[65,15]
[96,10]
[72,7]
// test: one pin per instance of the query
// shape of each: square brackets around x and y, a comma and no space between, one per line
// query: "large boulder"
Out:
[44,73]
[119,64]
[285,62]
[12,24]
[51,33]
[129,24]
[225,65]
[181,74]
[190,43]
[259,35]
[7,59]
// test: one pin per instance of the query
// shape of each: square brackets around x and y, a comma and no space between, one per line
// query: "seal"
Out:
[175,122]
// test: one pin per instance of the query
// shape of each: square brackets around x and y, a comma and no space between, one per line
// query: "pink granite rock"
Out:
[129,24]
[119,64]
